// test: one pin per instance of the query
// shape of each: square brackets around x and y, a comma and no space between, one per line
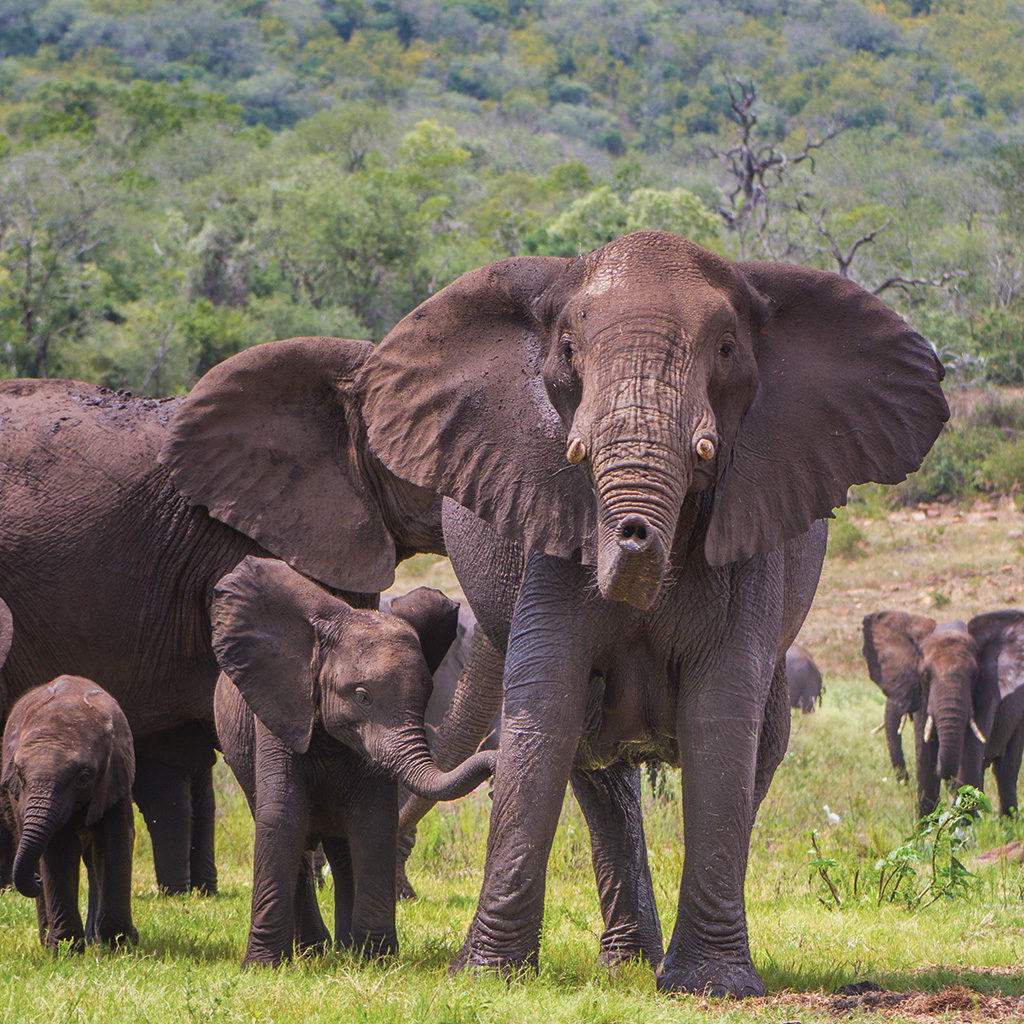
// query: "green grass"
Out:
[186,967]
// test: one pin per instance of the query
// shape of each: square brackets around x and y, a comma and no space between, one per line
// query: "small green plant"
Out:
[939,599]
[925,868]
[845,538]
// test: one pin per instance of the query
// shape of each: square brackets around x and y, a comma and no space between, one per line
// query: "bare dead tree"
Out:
[755,168]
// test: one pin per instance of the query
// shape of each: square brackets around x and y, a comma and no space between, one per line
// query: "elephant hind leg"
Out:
[610,800]
[202,862]
[774,738]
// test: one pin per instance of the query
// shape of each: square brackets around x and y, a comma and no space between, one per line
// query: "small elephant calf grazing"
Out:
[319,709]
[68,764]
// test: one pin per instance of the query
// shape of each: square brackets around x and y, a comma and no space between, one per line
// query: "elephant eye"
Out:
[725,350]
[363,696]
[84,776]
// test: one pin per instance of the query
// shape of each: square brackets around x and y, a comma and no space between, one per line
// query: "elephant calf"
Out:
[804,679]
[314,699]
[68,764]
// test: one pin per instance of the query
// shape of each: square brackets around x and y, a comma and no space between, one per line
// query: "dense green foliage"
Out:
[181,180]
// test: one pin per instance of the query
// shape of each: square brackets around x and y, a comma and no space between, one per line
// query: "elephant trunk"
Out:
[38,827]
[949,706]
[409,757]
[643,460]
[894,717]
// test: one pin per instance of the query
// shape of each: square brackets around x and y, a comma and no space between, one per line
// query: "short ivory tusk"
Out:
[705,448]
[878,728]
[977,732]
[929,725]
[903,722]
[576,452]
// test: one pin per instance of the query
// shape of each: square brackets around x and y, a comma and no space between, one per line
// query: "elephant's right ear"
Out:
[270,441]
[6,631]
[434,616]
[892,649]
[264,636]
[1000,639]
[454,402]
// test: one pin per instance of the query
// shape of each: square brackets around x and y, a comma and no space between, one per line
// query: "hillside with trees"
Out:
[181,180]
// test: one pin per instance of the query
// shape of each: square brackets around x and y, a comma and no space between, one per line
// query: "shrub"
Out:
[845,539]
[1003,468]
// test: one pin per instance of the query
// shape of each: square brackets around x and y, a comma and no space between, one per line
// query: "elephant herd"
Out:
[627,456]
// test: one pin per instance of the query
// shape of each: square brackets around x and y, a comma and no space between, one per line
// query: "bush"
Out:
[1003,468]
[845,539]
[953,468]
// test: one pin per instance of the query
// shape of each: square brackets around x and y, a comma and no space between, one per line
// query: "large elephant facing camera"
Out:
[963,685]
[661,430]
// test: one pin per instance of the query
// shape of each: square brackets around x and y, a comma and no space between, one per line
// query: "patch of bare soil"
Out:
[950,1006]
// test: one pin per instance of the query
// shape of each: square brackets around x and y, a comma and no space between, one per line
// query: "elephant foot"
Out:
[710,978]
[475,961]
[205,888]
[120,938]
[372,947]
[625,946]
[62,943]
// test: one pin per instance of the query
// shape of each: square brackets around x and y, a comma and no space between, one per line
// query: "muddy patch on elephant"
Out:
[955,1003]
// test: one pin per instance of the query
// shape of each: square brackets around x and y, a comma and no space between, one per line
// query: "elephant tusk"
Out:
[705,449]
[903,722]
[576,452]
[929,725]
[878,728]
[977,732]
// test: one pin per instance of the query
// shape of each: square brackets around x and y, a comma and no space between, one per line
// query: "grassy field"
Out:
[954,960]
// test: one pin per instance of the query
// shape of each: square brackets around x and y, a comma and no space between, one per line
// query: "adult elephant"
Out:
[661,429]
[963,685]
[109,567]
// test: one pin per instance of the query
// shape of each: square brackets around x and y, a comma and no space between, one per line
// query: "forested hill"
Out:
[180,180]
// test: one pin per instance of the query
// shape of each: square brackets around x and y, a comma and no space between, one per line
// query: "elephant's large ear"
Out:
[434,616]
[270,441]
[119,772]
[892,649]
[6,631]
[847,393]
[264,636]
[454,402]
[1000,639]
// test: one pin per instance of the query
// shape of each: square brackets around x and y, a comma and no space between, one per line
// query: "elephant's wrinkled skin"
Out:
[963,685]
[109,570]
[803,678]
[315,699]
[68,763]
[660,429]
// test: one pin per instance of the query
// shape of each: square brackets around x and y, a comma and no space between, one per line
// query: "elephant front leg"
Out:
[59,917]
[718,744]
[373,845]
[610,800]
[202,860]
[161,791]
[546,672]
[109,860]
[1007,768]
[281,818]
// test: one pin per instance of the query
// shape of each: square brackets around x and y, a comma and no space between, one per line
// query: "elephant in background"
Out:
[803,678]
[68,763]
[963,686]
[644,414]
[109,557]
[315,698]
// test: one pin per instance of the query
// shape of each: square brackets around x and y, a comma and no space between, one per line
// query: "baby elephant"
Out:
[319,710]
[68,763]
[804,679]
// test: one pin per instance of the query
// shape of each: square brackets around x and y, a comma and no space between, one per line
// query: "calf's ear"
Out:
[435,618]
[265,638]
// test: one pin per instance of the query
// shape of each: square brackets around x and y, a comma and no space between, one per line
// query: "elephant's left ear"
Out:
[1000,639]
[847,393]
[271,442]
[6,631]
[119,772]
[434,616]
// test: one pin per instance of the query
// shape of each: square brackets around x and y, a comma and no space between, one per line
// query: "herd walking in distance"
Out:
[629,458]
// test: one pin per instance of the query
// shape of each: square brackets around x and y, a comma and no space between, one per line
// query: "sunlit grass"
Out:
[186,967]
